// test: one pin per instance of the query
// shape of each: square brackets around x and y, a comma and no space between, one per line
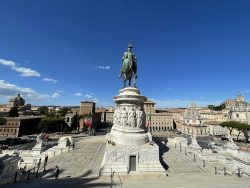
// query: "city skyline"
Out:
[187,51]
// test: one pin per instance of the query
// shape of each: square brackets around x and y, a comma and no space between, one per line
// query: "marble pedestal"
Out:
[129,148]
[38,148]
[118,157]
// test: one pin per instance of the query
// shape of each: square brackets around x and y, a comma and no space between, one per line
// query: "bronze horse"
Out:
[129,70]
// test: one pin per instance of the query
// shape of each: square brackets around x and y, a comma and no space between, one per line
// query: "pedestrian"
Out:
[73,146]
[45,162]
[56,172]
[38,164]
[46,159]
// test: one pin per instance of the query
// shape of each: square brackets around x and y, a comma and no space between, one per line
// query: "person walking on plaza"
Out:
[45,162]
[56,172]
[38,166]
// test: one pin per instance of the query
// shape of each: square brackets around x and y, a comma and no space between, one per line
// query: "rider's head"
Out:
[130,47]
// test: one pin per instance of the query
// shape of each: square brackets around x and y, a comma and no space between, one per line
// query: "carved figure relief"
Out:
[139,117]
[116,157]
[115,116]
[112,156]
[132,117]
[148,157]
[132,150]
[120,158]
[124,116]
[118,116]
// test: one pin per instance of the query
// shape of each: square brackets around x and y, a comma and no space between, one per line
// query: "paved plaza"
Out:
[80,168]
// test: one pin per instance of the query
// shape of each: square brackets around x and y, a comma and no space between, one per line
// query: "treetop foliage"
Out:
[235,125]
[217,108]
[2,121]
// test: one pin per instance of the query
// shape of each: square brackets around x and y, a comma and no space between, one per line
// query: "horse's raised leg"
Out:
[134,82]
[124,83]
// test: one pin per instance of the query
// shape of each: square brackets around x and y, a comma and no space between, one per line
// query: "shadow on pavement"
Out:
[62,182]
[162,149]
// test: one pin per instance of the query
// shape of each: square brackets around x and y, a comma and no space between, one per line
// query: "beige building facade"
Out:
[19,126]
[87,107]
[161,121]
[192,122]
[17,102]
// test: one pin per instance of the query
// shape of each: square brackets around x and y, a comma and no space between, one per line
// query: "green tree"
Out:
[75,122]
[240,127]
[64,111]
[246,133]
[51,124]
[2,121]
[43,110]
[217,108]
[13,112]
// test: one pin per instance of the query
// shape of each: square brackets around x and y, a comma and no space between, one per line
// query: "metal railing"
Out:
[112,180]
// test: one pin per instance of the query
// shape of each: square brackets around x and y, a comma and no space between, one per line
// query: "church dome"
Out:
[18,99]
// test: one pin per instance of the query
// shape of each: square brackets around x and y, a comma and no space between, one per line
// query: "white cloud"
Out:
[102,67]
[78,94]
[50,80]
[55,95]
[8,90]
[96,100]
[59,91]
[169,103]
[88,96]
[26,72]
[7,63]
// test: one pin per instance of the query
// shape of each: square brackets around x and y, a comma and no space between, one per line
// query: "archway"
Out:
[174,124]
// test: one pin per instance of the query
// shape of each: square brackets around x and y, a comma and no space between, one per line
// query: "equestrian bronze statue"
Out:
[129,67]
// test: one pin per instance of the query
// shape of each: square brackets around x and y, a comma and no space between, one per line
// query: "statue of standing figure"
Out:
[129,67]
[115,117]
[132,117]
[139,117]
[124,116]
[39,138]
[118,116]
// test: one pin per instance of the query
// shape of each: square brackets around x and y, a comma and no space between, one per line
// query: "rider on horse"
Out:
[129,66]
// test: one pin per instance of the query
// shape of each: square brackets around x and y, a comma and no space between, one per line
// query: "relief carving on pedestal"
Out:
[133,117]
[133,150]
[116,157]
[147,158]
[139,117]
[124,116]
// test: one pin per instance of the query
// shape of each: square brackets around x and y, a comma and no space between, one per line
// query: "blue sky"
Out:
[62,52]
